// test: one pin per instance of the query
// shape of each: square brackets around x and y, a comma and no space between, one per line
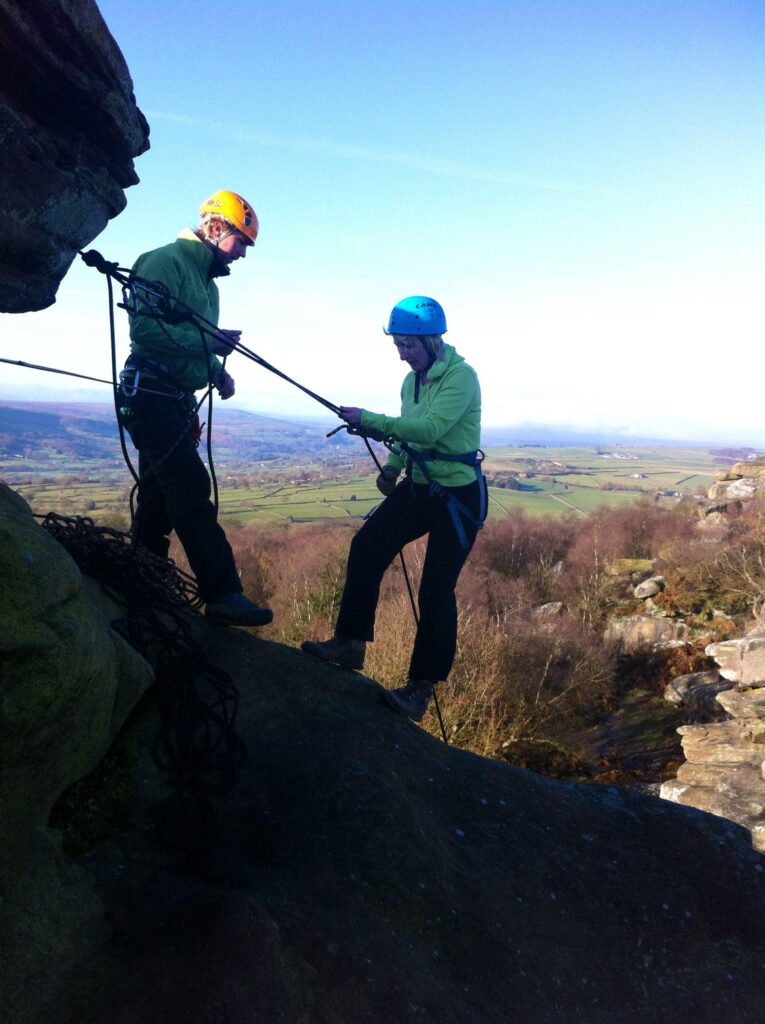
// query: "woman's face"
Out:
[412,351]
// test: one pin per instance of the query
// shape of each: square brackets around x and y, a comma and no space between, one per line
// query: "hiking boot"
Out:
[236,610]
[411,700]
[345,653]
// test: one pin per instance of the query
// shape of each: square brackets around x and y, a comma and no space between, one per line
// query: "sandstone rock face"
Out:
[67,683]
[744,704]
[70,129]
[638,633]
[725,768]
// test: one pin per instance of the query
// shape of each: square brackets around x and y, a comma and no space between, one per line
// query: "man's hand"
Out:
[351,414]
[386,481]
[224,343]
[224,383]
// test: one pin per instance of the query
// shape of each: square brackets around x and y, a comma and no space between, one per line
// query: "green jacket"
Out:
[446,417]
[184,267]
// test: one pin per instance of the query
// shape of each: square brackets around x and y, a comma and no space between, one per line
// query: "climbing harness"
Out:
[458,510]
[375,435]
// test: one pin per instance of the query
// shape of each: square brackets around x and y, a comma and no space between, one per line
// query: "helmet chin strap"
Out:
[220,265]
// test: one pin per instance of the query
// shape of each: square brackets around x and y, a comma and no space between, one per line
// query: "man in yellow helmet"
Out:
[176,359]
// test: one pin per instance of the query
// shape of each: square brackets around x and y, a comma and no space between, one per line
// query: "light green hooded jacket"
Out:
[446,417]
[184,266]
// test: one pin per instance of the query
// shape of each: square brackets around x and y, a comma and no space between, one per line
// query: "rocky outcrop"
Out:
[740,483]
[70,130]
[724,771]
[67,683]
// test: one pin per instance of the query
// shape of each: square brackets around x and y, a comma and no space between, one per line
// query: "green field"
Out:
[589,478]
[543,481]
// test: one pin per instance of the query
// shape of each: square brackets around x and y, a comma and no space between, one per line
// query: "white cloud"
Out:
[348,151]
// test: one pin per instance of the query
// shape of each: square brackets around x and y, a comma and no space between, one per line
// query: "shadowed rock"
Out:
[70,129]
[67,684]
[698,691]
[362,872]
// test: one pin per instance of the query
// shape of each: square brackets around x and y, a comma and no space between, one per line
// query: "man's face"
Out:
[411,350]
[233,247]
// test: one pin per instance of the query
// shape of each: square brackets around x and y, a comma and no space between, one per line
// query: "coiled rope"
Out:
[198,745]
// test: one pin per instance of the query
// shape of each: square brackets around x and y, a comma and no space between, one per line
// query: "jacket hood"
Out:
[449,358]
[201,254]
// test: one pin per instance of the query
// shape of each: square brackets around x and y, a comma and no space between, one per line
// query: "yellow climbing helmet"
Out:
[234,209]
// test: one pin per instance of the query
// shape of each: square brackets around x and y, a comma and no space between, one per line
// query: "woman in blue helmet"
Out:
[442,494]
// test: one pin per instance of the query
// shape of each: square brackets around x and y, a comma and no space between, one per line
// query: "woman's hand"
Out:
[351,414]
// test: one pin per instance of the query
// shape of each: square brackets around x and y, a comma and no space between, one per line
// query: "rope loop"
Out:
[198,701]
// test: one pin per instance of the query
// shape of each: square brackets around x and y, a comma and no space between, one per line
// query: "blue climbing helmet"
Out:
[417,315]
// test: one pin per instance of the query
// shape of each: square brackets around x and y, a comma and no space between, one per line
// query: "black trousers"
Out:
[411,512]
[174,494]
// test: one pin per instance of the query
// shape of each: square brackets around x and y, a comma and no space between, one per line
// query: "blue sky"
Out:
[581,184]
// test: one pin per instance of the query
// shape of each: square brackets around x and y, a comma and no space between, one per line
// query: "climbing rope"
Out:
[153,299]
[198,745]
[366,434]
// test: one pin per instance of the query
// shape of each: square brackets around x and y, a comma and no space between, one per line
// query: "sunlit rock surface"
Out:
[724,771]
[633,634]
[741,483]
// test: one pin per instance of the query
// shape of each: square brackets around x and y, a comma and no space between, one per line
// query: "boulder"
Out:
[741,660]
[727,491]
[70,130]
[697,691]
[550,610]
[649,588]
[714,525]
[753,469]
[641,633]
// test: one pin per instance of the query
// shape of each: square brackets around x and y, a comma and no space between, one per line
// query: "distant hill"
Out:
[45,436]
